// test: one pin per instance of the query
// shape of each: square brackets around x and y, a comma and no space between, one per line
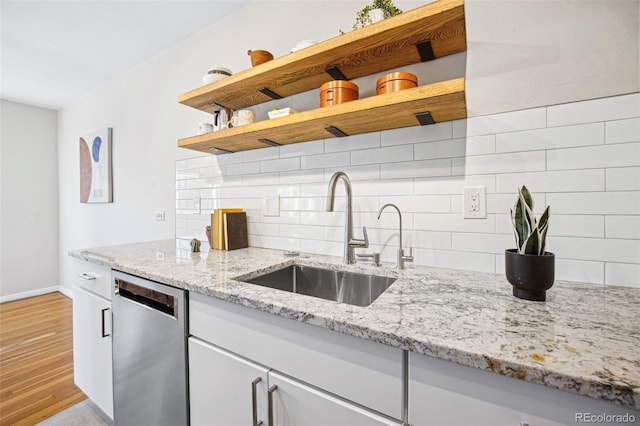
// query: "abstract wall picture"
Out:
[95,167]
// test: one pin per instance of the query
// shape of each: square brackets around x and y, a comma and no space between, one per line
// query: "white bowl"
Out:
[215,74]
[302,44]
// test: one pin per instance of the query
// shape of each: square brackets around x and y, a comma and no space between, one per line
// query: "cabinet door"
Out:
[92,348]
[447,394]
[294,403]
[221,387]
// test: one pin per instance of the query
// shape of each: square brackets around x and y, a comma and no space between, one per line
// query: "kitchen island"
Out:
[584,339]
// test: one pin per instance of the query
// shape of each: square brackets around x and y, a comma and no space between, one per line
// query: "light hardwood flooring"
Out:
[36,359]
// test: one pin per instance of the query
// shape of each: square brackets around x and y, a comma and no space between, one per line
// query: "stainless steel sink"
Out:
[340,286]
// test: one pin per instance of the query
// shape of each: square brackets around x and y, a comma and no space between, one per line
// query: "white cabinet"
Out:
[92,334]
[331,378]
[444,393]
[225,389]
[294,403]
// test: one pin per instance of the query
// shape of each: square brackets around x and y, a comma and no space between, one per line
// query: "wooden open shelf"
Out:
[382,46]
[445,101]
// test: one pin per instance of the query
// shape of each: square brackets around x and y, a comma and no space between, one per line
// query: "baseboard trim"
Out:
[17,296]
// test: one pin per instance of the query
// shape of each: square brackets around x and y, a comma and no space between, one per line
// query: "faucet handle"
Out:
[410,257]
[356,242]
[375,257]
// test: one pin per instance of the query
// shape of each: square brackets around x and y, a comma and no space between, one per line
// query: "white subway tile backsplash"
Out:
[440,149]
[352,143]
[596,249]
[531,161]
[466,261]
[595,203]
[582,159]
[555,181]
[618,226]
[390,154]
[281,165]
[453,222]
[300,149]
[435,132]
[580,271]
[335,159]
[623,179]
[454,184]
[619,155]
[507,122]
[481,243]
[622,131]
[555,137]
[242,169]
[565,225]
[302,176]
[416,169]
[613,108]
[268,153]
[623,274]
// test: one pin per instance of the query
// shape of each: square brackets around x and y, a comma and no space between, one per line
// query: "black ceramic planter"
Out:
[530,275]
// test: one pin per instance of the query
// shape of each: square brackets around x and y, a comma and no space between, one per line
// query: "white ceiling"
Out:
[52,51]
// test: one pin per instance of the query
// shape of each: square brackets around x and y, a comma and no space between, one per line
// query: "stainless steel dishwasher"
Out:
[149,353]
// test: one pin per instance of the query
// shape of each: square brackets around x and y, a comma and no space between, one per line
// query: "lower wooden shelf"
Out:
[445,101]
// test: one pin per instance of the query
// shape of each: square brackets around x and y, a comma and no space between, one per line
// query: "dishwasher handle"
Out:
[148,297]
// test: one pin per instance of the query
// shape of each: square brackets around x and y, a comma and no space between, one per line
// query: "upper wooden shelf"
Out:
[382,46]
[444,101]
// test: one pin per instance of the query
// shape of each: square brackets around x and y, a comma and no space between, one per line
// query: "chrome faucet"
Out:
[401,257]
[350,243]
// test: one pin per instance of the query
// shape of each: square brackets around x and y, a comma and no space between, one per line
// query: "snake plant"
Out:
[530,233]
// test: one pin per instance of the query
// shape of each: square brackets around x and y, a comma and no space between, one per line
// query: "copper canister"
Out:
[395,81]
[337,92]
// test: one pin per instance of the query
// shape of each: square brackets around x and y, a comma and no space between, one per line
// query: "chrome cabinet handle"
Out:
[87,276]
[103,322]
[254,397]
[270,402]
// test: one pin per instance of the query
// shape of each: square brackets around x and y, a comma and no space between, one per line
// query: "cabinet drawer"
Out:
[92,277]
[358,370]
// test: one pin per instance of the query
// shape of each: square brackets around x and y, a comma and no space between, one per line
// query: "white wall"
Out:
[29,201]
[141,107]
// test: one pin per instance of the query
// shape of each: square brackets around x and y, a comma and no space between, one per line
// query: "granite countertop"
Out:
[584,339]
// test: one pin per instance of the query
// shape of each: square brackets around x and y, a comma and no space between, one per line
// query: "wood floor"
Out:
[36,359]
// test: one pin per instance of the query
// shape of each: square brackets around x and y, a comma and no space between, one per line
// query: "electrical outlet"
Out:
[475,202]
[271,206]
[160,215]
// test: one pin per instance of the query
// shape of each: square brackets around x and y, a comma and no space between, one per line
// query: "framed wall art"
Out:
[95,167]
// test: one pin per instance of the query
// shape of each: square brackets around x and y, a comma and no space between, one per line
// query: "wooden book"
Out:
[235,230]
[218,227]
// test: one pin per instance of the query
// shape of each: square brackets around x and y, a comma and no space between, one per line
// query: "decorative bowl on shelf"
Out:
[395,81]
[302,44]
[337,92]
[259,57]
[215,74]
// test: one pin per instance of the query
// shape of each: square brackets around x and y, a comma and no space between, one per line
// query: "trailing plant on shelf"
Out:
[530,233]
[529,268]
[364,18]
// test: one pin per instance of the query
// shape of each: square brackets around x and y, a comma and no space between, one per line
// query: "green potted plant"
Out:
[377,11]
[529,268]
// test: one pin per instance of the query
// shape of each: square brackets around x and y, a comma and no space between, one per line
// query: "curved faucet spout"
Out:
[401,256]
[349,242]
[331,193]
[399,216]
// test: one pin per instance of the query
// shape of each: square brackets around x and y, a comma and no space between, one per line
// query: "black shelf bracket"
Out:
[425,50]
[269,142]
[219,151]
[336,132]
[269,92]
[335,73]
[425,118]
